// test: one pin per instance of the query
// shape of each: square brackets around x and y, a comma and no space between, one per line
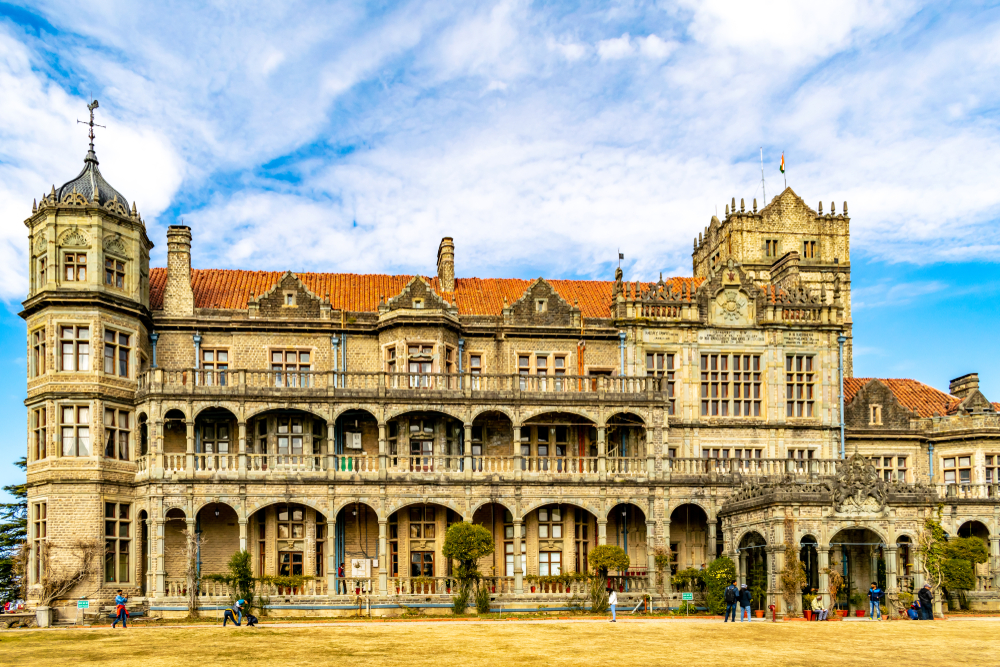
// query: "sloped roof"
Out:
[926,401]
[230,289]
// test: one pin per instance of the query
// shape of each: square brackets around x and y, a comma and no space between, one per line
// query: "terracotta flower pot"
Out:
[532,589]
[759,613]
[859,612]
[493,589]
[843,613]
[809,614]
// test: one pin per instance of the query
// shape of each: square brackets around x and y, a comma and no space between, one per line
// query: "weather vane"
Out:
[93,105]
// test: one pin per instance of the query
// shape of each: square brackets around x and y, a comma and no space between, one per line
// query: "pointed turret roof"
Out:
[90,181]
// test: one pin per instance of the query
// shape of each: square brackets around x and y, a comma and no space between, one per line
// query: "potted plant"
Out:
[858,601]
[807,600]
[758,590]
[533,580]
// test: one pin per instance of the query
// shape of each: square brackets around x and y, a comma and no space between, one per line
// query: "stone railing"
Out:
[968,491]
[355,586]
[309,587]
[331,383]
[751,467]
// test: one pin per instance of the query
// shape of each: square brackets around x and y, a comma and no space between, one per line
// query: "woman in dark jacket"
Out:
[926,598]
[745,601]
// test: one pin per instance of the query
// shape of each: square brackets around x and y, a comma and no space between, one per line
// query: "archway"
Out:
[689,543]
[561,442]
[218,538]
[285,440]
[754,567]
[174,432]
[175,547]
[290,541]
[859,555]
[355,440]
[414,558]
[626,528]
[810,561]
[142,549]
[215,441]
[626,438]
[904,563]
[425,441]
[142,421]
[975,529]
[492,443]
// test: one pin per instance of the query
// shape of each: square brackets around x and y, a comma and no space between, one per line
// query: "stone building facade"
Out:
[320,419]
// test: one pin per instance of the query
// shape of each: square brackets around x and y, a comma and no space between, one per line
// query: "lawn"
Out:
[506,643]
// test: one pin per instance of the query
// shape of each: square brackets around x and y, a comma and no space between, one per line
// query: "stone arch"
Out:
[449,503]
[256,411]
[202,503]
[974,528]
[626,412]
[229,406]
[745,532]
[174,514]
[487,501]
[341,409]
[395,414]
[705,507]
[857,526]
[567,410]
[181,412]
[315,503]
[339,507]
[525,511]
[476,412]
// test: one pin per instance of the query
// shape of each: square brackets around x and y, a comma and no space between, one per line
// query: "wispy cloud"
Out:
[353,136]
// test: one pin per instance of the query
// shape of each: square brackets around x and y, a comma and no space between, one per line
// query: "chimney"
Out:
[178,298]
[446,265]
[962,387]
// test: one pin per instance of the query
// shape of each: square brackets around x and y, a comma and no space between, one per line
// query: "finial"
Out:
[34,205]
[53,193]
[742,207]
[699,238]
[90,107]
[754,204]
[821,208]
[695,243]
[734,204]
[833,208]
[135,213]
[727,210]
[845,208]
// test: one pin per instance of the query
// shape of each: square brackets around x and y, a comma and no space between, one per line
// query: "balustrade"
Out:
[968,491]
[286,462]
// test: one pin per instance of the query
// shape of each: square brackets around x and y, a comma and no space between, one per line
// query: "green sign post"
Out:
[687,596]
[83,604]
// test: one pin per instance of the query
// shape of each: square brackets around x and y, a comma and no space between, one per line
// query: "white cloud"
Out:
[655,48]
[569,49]
[615,49]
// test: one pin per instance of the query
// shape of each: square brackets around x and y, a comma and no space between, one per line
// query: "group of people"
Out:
[740,595]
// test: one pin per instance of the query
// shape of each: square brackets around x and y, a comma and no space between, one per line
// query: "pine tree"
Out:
[13,533]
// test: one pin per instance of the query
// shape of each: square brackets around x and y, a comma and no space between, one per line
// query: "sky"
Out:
[545,137]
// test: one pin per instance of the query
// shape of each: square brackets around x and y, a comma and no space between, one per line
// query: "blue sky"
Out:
[352,136]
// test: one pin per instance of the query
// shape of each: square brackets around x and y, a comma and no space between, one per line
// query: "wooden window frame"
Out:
[548,523]
[77,430]
[420,364]
[291,372]
[810,249]
[287,561]
[891,467]
[800,386]
[662,364]
[214,364]
[41,271]
[39,538]
[79,346]
[956,468]
[991,469]
[771,248]
[581,535]
[38,352]
[508,545]
[39,430]
[117,433]
[118,536]
[114,273]
[548,561]
[875,415]
[391,360]
[420,524]
[212,440]
[117,354]
[295,528]
[74,267]
[725,385]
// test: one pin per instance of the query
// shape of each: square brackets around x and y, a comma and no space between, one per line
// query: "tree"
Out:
[971,549]
[240,580]
[608,557]
[793,574]
[13,536]
[720,573]
[466,543]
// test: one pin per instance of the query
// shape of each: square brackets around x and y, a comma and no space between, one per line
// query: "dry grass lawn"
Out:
[511,644]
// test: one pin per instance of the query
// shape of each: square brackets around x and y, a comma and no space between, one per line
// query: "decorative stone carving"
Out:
[858,489]
[118,207]
[40,244]
[116,246]
[74,238]
[74,199]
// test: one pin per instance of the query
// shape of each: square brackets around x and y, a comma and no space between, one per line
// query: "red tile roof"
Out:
[231,289]
[924,400]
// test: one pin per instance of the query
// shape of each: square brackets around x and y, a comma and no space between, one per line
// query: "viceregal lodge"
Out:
[320,419]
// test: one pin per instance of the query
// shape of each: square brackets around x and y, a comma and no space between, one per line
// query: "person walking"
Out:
[926,599]
[234,613]
[874,596]
[613,601]
[341,584]
[731,594]
[745,600]
[817,606]
[121,613]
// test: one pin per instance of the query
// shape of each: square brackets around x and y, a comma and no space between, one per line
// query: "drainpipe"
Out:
[197,349]
[335,343]
[343,357]
[621,350]
[461,383]
[153,337]
[930,461]
[841,339]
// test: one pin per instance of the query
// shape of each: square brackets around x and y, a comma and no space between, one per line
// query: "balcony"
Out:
[361,467]
[314,384]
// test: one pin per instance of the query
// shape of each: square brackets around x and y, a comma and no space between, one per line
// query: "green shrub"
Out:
[483,598]
[608,557]
[720,573]
[460,602]
[958,574]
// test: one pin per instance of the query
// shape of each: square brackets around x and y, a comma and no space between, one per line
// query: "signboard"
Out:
[353,440]
[361,568]
[660,336]
[687,597]
[809,338]
[730,337]
[83,604]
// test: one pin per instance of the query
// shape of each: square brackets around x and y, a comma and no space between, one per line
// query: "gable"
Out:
[417,295]
[857,413]
[541,305]
[274,303]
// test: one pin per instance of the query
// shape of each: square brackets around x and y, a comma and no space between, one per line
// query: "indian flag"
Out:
[782,167]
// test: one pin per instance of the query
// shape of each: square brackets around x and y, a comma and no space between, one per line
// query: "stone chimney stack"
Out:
[961,387]
[178,297]
[446,265]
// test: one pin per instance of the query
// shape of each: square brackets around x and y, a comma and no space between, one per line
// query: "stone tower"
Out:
[88,325]
[787,243]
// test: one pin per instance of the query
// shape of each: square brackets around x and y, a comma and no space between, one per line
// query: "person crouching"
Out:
[234,613]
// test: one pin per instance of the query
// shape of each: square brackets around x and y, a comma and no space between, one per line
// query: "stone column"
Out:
[918,574]
[383,559]
[467,451]
[650,553]
[710,540]
[150,556]
[995,561]
[518,462]
[518,564]
[823,563]
[189,423]
[242,426]
[890,569]
[667,586]
[158,561]
[602,452]
[156,446]
[331,557]
[243,534]
[743,567]
[775,561]
[383,451]
[602,531]
[331,460]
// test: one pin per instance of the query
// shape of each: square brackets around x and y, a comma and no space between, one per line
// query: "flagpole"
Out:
[763,189]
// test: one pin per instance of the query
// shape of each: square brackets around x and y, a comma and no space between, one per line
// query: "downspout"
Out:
[621,351]
[841,339]
[930,461]
[153,337]
[197,349]
[461,380]
[343,357]
[335,343]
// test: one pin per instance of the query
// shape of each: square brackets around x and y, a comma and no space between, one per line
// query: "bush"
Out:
[958,574]
[598,595]
[608,557]
[971,549]
[720,573]
[483,599]
[690,578]
[460,602]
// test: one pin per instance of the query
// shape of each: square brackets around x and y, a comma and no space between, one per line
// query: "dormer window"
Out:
[289,298]
[875,416]
[541,305]
[418,303]
[114,273]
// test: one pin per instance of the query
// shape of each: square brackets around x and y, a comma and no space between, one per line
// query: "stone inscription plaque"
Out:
[801,338]
[730,337]
[660,336]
